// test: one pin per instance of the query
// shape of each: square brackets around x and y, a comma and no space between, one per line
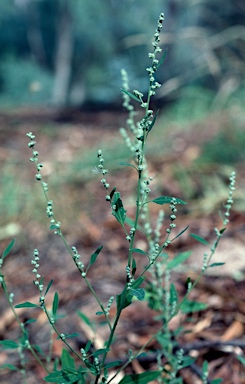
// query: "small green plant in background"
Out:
[148,280]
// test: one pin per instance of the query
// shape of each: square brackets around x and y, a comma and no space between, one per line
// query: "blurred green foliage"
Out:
[99,37]
[24,83]
[226,147]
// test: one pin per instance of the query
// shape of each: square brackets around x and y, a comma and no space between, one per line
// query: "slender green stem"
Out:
[51,322]
[22,327]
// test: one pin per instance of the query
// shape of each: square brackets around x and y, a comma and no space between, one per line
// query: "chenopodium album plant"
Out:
[89,365]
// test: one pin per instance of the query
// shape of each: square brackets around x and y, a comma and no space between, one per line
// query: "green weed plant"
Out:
[148,280]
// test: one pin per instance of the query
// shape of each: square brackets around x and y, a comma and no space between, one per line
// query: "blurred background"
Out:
[62,52]
[60,63]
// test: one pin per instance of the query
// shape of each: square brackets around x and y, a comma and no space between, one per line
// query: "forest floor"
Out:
[68,149]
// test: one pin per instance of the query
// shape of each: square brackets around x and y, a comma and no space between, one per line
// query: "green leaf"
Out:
[188,306]
[127,164]
[173,295]
[137,250]
[216,381]
[94,255]
[179,234]
[179,259]
[30,321]
[222,231]
[241,359]
[166,200]
[48,287]
[9,344]
[125,298]
[53,226]
[215,265]
[71,335]
[86,320]
[141,378]
[38,349]
[100,351]
[66,360]
[119,212]
[64,376]
[7,249]
[187,361]
[134,267]
[200,239]
[27,304]
[131,95]
[162,58]
[55,303]
[112,192]
[99,313]
[153,121]
[137,283]
[9,366]
[139,293]
[131,223]
[115,363]
[87,346]
[205,367]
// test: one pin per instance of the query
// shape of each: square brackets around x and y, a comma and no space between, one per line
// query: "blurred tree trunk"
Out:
[64,53]
[33,31]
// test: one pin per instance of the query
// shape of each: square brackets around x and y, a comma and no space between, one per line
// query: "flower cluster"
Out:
[152,55]
[126,103]
[110,301]
[37,281]
[103,171]
[230,197]
[54,225]
[79,264]
[130,278]
[172,216]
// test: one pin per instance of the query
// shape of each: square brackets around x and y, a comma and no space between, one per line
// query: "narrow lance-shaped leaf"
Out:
[115,363]
[127,164]
[48,287]
[215,265]
[94,255]
[117,208]
[87,346]
[112,192]
[84,318]
[179,234]
[200,239]
[100,351]
[153,121]
[179,259]
[55,303]
[162,58]
[71,335]
[27,304]
[173,295]
[137,250]
[166,200]
[10,367]
[7,249]
[134,267]
[9,344]
[131,95]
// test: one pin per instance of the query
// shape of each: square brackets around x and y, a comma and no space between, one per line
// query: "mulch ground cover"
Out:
[215,334]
